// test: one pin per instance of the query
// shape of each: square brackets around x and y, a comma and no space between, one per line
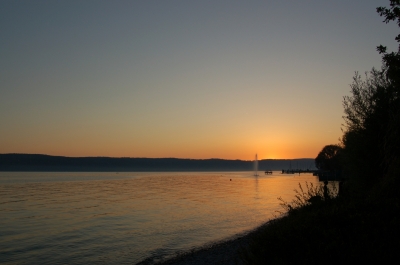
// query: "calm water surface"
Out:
[125,218]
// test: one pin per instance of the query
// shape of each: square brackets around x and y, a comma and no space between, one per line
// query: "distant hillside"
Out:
[33,162]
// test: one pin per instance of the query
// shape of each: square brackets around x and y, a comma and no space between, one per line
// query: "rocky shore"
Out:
[224,252]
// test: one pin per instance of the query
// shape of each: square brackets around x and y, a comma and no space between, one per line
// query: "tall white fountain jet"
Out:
[256,166]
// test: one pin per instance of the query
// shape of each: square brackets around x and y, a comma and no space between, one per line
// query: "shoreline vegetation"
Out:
[358,226]
[361,224]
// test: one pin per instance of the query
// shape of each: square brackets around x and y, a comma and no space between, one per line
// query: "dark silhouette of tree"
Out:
[367,118]
[329,158]
[372,114]
[391,60]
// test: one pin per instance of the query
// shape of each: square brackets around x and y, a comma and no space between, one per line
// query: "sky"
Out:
[185,79]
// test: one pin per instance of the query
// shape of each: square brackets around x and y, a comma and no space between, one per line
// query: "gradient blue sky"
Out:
[187,79]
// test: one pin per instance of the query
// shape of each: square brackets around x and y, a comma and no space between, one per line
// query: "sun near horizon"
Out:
[191,79]
[241,153]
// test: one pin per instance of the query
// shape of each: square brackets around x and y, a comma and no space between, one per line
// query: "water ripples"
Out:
[108,218]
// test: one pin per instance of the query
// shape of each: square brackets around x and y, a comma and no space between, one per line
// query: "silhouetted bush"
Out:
[372,115]
[313,195]
[329,158]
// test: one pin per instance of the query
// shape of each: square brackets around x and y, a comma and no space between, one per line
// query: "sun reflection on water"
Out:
[127,217]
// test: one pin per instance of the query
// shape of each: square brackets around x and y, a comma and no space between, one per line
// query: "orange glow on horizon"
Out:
[229,155]
[191,144]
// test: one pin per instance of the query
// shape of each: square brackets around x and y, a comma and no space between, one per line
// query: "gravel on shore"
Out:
[225,252]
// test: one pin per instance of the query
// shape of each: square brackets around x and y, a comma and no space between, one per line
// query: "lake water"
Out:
[125,218]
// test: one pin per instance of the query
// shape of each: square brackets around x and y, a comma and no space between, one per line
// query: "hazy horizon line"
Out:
[140,157]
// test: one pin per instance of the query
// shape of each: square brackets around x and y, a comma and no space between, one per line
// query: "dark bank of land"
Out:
[36,162]
[361,227]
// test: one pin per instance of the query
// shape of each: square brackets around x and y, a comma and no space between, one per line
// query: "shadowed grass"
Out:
[363,227]
[311,196]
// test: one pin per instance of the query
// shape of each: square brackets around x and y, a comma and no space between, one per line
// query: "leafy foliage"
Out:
[391,14]
[329,158]
[368,113]
[391,60]
[359,107]
[313,195]
[372,115]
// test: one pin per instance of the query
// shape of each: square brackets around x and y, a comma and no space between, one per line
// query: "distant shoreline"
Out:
[47,163]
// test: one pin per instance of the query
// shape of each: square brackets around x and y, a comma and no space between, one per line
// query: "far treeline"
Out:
[358,221]
[35,162]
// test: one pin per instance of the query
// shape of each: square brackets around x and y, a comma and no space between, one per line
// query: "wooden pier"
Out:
[322,175]
[298,171]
